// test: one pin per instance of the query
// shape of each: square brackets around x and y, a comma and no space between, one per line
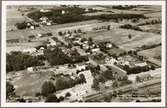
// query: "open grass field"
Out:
[151,53]
[27,84]
[13,16]
[120,38]
[153,28]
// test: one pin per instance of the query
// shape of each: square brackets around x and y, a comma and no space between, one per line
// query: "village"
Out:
[84,54]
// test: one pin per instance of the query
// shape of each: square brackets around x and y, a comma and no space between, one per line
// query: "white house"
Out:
[32,27]
[109,45]
[63,12]
[95,50]
[44,10]
[141,64]
[48,23]
[39,35]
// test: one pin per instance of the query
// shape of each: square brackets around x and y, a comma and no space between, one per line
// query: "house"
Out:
[110,60]
[108,45]
[108,83]
[48,23]
[95,50]
[44,20]
[141,64]
[85,46]
[86,10]
[32,27]
[31,69]
[63,12]
[52,42]
[39,35]
[44,10]
[81,67]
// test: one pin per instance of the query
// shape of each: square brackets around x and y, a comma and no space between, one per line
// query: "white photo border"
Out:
[112,104]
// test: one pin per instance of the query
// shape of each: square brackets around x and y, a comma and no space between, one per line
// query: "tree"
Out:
[10,90]
[108,27]
[68,94]
[137,79]
[95,84]
[48,88]
[61,98]
[82,78]
[129,36]
[115,84]
[51,98]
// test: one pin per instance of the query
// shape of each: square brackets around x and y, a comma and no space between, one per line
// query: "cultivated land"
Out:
[120,38]
[100,67]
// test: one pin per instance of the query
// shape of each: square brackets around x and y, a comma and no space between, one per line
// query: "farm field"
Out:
[153,28]
[153,55]
[27,84]
[85,26]
[120,38]
[13,17]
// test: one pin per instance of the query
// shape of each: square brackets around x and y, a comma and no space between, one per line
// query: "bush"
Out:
[10,90]
[48,88]
[51,98]
[68,94]
[22,25]
[61,98]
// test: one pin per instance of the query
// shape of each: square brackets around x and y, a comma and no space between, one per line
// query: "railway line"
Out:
[124,89]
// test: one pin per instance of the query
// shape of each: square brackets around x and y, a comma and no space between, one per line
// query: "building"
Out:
[44,10]
[63,12]
[95,50]
[108,45]
[141,64]
[31,69]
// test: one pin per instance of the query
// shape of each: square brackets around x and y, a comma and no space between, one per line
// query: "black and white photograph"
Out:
[83,53]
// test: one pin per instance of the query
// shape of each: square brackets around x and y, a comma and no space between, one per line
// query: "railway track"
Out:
[124,89]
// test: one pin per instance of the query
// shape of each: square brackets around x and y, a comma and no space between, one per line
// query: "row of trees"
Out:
[137,69]
[128,26]
[61,83]
[75,14]
[124,7]
[16,61]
